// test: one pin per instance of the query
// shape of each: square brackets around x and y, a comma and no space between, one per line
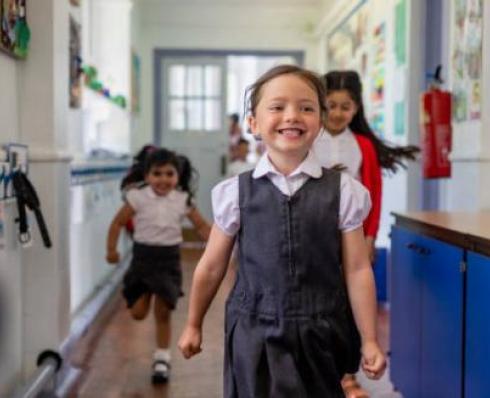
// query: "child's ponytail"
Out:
[188,177]
[390,157]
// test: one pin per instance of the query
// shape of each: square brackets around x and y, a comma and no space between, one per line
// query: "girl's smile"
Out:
[162,179]
[287,116]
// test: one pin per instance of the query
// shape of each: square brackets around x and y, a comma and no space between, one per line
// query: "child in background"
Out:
[287,330]
[155,272]
[235,133]
[240,164]
[349,141]
[135,177]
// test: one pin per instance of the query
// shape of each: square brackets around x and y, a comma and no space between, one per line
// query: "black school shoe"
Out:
[161,372]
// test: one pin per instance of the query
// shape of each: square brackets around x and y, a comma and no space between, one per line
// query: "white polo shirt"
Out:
[341,149]
[158,219]
[355,201]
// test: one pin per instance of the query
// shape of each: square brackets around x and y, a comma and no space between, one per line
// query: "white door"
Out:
[193,118]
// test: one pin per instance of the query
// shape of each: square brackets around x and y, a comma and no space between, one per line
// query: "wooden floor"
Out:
[116,356]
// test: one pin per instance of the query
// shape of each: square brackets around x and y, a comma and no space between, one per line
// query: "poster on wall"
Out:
[347,44]
[14,31]
[466,59]
[75,83]
[400,32]
[135,82]
[357,44]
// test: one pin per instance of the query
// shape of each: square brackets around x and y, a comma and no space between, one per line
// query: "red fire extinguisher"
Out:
[436,130]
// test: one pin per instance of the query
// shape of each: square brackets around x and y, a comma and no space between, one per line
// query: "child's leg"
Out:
[139,310]
[161,357]
[162,319]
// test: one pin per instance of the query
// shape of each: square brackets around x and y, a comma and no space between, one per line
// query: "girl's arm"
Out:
[208,275]
[361,290]
[121,218]
[201,226]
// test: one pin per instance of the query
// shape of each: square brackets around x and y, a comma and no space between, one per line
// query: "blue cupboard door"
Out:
[405,312]
[442,319]
[477,372]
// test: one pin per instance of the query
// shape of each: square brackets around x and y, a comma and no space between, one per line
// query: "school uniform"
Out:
[288,331]
[155,266]
[357,154]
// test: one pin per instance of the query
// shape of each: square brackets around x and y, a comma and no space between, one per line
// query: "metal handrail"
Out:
[48,362]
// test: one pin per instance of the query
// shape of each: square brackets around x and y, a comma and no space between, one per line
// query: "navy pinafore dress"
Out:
[289,330]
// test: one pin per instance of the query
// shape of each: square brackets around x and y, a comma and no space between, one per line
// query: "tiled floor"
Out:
[116,360]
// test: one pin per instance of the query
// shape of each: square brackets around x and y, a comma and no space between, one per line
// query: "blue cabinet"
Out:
[441,362]
[426,316]
[477,370]
[405,313]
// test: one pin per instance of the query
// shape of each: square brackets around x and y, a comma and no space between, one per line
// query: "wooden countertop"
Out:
[470,230]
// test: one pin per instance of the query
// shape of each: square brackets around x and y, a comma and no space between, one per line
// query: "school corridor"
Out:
[89,88]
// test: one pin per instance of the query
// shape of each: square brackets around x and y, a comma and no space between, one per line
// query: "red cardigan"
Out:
[371,178]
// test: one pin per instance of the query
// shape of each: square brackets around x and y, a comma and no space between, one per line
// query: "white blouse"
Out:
[158,219]
[355,201]
[341,149]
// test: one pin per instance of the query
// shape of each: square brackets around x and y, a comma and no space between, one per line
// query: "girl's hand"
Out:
[112,257]
[373,360]
[190,341]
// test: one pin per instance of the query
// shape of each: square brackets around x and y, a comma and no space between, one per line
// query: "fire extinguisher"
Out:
[436,129]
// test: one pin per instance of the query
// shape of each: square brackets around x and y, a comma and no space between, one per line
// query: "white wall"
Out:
[267,25]
[35,287]
[93,205]
[106,43]
[10,261]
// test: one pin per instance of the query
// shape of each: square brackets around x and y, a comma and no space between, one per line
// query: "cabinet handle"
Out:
[419,249]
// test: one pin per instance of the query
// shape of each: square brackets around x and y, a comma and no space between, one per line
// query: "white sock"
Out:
[162,354]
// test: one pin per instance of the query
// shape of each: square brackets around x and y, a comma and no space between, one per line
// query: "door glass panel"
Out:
[212,81]
[194,81]
[195,114]
[176,114]
[213,117]
[177,80]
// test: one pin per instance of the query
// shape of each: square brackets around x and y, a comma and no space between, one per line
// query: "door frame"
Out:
[159,54]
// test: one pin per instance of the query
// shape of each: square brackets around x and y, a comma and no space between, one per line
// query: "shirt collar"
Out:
[310,166]
[151,193]
[342,135]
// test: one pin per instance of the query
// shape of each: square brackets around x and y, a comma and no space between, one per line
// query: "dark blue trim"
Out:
[96,174]
[161,53]
[102,170]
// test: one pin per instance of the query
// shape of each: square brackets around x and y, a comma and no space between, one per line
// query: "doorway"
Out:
[195,92]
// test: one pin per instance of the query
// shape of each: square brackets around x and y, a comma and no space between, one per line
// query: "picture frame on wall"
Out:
[14,30]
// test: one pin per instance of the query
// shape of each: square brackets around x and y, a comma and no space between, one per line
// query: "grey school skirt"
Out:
[155,270]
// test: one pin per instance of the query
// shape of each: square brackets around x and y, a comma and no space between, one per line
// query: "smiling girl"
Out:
[287,330]
[157,210]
